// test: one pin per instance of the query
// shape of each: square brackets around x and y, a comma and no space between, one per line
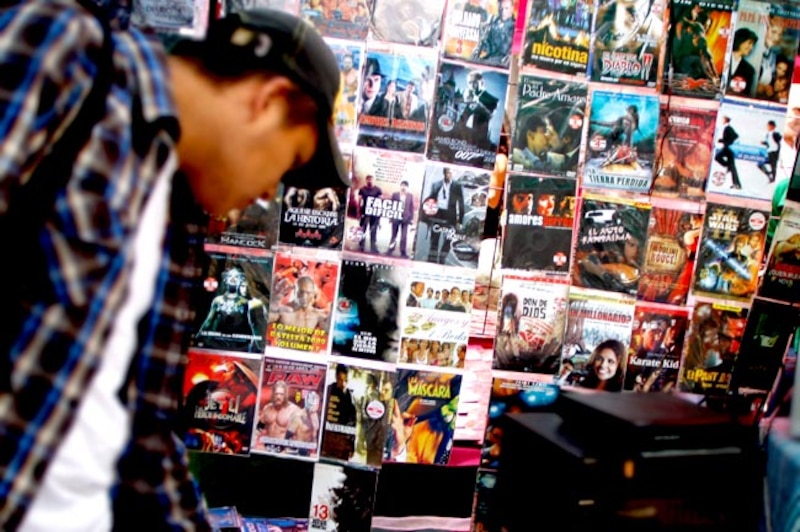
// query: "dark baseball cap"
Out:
[269,40]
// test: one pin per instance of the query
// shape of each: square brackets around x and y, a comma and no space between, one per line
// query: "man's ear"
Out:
[269,95]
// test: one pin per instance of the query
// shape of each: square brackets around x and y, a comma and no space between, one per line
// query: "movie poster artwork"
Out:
[763,71]
[539,223]
[367,313]
[350,57]
[610,243]
[530,324]
[480,32]
[236,6]
[413,22]
[557,36]
[764,345]
[344,19]
[342,498]
[313,217]
[357,414]
[782,277]
[730,251]
[425,406]
[436,315]
[548,126]
[748,145]
[712,347]
[232,308]
[621,141]
[255,226]
[685,148]
[656,347]
[219,401]
[670,251]
[467,115]
[700,33]
[289,408]
[384,203]
[452,213]
[304,290]
[396,94]
[627,42]
[596,339]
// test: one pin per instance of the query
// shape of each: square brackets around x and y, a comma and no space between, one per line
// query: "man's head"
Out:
[279,394]
[506,9]
[369,179]
[347,62]
[404,186]
[341,376]
[306,292]
[255,100]
[536,134]
[774,32]
[448,175]
[372,79]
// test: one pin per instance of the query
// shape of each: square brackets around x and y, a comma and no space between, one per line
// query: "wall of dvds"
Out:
[636,154]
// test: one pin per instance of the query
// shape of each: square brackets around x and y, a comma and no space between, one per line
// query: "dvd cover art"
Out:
[782,277]
[684,149]
[342,498]
[764,344]
[341,19]
[480,32]
[300,310]
[621,141]
[748,144]
[548,125]
[414,22]
[423,417]
[730,251]
[366,320]
[350,57]
[219,401]
[539,223]
[289,405]
[357,414]
[656,348]
[670,252]
[396,94]
[557,36]
[609,244]
[313,217]
[232,310]
[712,346]
[452,213]
[255,226]
[235,6]
[627,42]
[467,115]
[700,32]
[384,201]
[596,339]
[436,315]
[530,324]
[762,54]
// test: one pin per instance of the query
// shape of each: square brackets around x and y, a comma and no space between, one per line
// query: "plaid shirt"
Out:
[45,72]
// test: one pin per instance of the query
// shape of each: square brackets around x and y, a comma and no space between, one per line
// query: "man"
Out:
[89,350]
[772,141]
[494,45]
[448,198]
[414,298]
[373,79]
[300,314]
[369,222]
[281,419]
[339,441]
[406,200]
[479,106]
[725,155]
